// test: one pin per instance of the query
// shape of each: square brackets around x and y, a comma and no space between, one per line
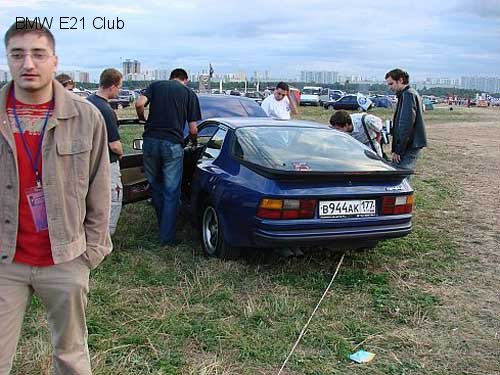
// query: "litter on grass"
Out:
[362,357]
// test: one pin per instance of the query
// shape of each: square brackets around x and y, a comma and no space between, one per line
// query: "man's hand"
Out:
[293,106]
[193,133]
[140,103]
[193,138]
[396,158]
[117,148]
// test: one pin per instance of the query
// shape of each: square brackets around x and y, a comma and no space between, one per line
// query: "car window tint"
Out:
[215,144]
[253,109]
[206,133]
[304,149]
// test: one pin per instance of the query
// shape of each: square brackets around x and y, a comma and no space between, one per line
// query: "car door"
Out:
[135,185]
[351,102]
[206,172]
[193,153]
[341,103]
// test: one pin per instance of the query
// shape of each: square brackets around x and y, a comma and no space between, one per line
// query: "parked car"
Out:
[127,95]
[310,95]
[330,94]
[427,105]
[255,95]
[232,92]
[381,101]
[228,106]
[119,103]
[349,102]
[82,93]
[259,182]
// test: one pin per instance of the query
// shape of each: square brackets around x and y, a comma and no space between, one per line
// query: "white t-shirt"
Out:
[279,109]
[373,125]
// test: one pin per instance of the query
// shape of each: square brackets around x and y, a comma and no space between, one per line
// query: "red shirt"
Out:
[32,248]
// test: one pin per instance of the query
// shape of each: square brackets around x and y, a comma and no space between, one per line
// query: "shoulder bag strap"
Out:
[366,132]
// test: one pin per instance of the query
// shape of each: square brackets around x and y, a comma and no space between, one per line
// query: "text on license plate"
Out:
[347,208]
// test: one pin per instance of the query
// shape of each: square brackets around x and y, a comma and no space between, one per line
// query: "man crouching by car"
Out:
[54,197]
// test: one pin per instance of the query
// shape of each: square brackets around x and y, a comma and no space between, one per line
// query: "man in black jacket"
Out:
[409,128]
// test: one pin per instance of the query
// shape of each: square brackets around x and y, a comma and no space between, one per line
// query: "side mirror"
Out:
[137,144]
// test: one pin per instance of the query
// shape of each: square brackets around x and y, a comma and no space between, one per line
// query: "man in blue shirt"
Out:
[171,105]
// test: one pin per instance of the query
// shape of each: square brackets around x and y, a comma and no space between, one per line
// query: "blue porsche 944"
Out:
[257,182]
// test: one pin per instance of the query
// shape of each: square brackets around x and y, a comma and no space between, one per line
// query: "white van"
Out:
[310,95]
[329,95]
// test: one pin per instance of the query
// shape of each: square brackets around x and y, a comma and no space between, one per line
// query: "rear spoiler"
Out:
[281,175]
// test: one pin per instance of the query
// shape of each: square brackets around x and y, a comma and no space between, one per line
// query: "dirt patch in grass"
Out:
[466,336]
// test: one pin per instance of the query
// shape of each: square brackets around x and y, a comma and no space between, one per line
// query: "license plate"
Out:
[355,208]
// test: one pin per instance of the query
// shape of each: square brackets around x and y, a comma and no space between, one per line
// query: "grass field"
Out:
[159,310]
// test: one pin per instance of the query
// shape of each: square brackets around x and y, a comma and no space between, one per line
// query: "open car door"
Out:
[135,184]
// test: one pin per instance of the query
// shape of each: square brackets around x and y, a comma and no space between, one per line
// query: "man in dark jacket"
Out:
[409,128]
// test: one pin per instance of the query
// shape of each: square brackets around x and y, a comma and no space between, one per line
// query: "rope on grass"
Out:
[312,315]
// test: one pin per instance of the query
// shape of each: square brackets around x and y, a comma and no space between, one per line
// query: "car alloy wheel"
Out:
[210,230]
[212,236]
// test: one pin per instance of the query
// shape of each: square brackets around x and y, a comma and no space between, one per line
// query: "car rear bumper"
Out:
[264,237]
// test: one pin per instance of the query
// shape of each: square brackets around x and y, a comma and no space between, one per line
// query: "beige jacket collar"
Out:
[64,106]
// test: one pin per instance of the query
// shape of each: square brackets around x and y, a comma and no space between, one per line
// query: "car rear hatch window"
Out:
[305,150]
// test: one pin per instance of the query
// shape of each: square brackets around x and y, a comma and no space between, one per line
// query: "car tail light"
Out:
[286,208]
[402,204]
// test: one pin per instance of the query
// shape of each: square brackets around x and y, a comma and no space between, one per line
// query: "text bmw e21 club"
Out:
[72,23]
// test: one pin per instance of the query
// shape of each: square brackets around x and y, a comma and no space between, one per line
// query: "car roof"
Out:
[242,122]
[224,97]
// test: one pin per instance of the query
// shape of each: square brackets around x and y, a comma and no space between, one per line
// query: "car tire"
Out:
[331,107]
[212,236]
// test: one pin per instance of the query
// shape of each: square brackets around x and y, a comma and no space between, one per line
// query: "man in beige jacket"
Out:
[54,200]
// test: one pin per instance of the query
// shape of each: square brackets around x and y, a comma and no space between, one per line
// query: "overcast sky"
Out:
[447,38]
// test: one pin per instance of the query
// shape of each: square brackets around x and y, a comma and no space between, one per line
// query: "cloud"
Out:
[489,9]
[443,38]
